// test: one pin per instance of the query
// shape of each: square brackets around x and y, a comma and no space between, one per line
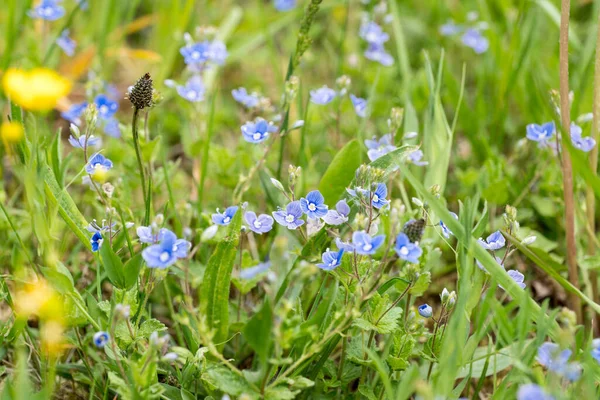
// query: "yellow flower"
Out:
[52,338]
[39,299]
[35,90]
[11,132]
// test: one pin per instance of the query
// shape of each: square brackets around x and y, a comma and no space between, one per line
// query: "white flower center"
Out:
[103,109]
[257,224]
[164,256]
[174,248]
[97,165]
[367,247]
[375,198]
[331,264]
[195,55]
[192,94]
[404,251]
[312,207]
[226,220]
[256,136]
[289,218]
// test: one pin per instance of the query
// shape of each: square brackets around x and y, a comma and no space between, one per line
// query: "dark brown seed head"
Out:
[414,229]
[141,93]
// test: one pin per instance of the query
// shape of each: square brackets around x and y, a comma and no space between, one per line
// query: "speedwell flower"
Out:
[582,143]
[66,43]
[225,217]
[365,244]
[541,133]
[193,90]
[339,215]
[105,106]
[291,216]
[322,96]
[378,148]
[331,260]
[445,230]
[378,200]
[415,157]
[257,131]
[314,205]
[284,5]
[96,241]
[98,164]
[425,311]
[406,250]
[166,252]
[493,242]
[247,100]
[252,272]
[100,339]
[531,391]
[49,10]
[261,224]
[73,114]
[360,105]
[474,39]
[84,142]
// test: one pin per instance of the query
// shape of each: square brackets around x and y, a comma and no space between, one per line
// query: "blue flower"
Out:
[425,311]
[339,215]
[257,131]
[364,244]
[106,107]
[415,157]
[322,96]
[193,90]
[445,230]
[474,39]
[100,339]
[360,105]
[550,356]
[73,114]
[225,217]
[290,217]
[376,52]
[80,143]
[66,43]
[314,205]
[252,272]
[96,241]
[493,242]
[406,250]
[217,52]
[449,29]
[247,100]
[196,53]
[572,371]
[582,143]
[540,133]
[346,246]
[50,10]
[378,148]
[146,235]
[481,267]
[261,224]
[373,33]
[111,127]
[331,260]
[516,276]
[531,391]
[596,350]
[98,162]
[378,201]
[284,5]
[163,254]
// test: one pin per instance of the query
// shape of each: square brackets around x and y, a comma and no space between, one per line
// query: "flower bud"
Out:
[425,311]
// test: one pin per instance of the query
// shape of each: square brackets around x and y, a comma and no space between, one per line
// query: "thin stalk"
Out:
[567,169]
[589,197]
[138,155]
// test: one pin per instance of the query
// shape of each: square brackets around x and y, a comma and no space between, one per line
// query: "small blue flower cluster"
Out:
[542,134]
[471,36]
[165,248]
[375,37]
[49,10]
[107,108]
[494,242]
[284,5]
[556,360]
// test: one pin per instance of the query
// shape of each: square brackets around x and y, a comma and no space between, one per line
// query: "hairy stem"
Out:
[565,113]
[138,155]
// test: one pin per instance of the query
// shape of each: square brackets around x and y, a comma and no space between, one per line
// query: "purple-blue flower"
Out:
[98,162]
[474,39]
[322,95]
[541,133]
[360,105]
[252,272]
[261,224]
[596,350]
[493,242]
[314,205]
[331,260]
[49,10]
[146,235]
[106,107]
[100,339]
[346,246]
[111,127]
[365,244]
[425,311]
[284,5]
[373,33]
[196,53]
[80,143]
[73,114]
[225,217]
[291,216]
[339,215]
[582,143]
[96,241]
[376,52]
[572,371]
[531,391]
[552,357]
[193,90]
[66,43]
[516,276]
[163,254]
[406,250]
[445,230]
[415,157]
[379,197]
[247,100]
[377,148]
[449,29]
[257,131]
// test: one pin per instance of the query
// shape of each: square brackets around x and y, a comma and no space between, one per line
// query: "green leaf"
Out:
[223,379]
[398,359]
[421,284]
[113,265]
[380,319]
[340,172]
[217,278]
[391,282]
[257,331]
[131,270]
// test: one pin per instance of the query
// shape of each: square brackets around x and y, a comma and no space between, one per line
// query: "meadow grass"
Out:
[423,227]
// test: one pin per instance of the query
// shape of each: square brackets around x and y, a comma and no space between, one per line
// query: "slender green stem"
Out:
[138,154]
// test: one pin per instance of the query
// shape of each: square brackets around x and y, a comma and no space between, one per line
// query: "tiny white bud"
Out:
[417,202]
[528,240]
[277,184]
[410,135]
[129,225]
[74,130]
[209,233]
